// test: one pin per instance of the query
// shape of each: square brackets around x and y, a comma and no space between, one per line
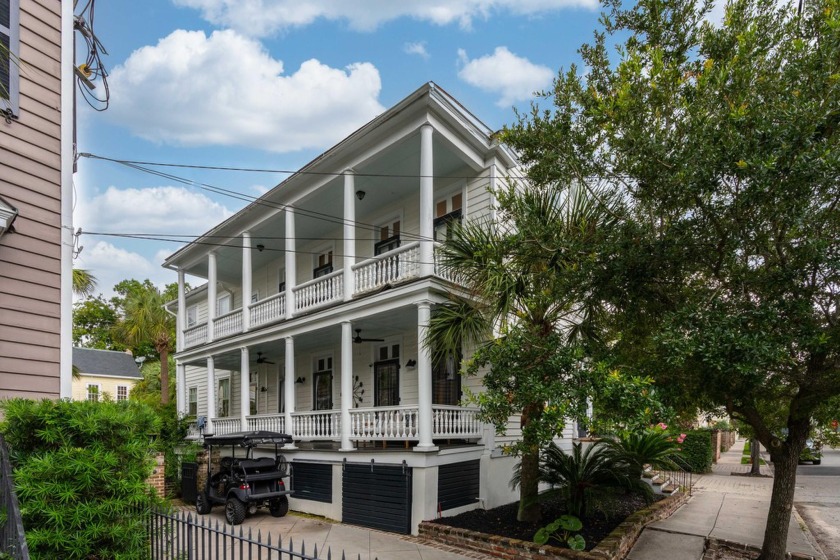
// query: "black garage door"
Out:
[377,496]
[458,484]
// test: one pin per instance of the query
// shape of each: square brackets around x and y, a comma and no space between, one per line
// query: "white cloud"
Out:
[513,77]
[111,264]
[263,17]
[417,48]
[225,89]
[174,210]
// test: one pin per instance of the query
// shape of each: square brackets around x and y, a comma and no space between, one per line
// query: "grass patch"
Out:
[747,460]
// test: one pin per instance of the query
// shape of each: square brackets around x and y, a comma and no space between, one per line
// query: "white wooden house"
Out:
[317,296]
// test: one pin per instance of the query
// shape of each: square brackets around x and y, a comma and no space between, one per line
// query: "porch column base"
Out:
[420,448]
[346,450]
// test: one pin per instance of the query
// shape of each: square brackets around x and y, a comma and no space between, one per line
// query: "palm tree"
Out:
[523,276]
[145,321]
[84,283]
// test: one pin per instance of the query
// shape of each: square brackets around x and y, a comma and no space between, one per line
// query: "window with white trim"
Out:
[93,391]
[322,382]
[223,396]
[192,407]
[192,315]
[223,304]
[448,210]
[122,393]
[389,237]
[281,280]
[323,263]
[10,56]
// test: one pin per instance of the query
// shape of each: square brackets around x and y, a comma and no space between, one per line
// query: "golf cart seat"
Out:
[254,466]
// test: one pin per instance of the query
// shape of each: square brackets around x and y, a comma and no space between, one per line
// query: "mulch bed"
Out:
[502,520]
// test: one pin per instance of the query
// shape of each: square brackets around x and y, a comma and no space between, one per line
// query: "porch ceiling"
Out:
[389,176]
[401,321]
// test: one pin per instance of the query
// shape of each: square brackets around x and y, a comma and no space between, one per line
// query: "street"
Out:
[818,500]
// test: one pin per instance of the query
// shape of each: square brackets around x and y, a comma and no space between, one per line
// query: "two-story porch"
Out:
[316,302]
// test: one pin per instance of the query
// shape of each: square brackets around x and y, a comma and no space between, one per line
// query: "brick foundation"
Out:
[615,546]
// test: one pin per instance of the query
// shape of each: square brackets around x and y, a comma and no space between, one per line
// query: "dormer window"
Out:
[389,238]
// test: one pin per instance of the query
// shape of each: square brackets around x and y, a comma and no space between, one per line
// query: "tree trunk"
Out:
[164,376]
[785,460]
[755,457]
[529,473]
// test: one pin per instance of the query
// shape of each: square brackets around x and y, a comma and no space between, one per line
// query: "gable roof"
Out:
[105,362]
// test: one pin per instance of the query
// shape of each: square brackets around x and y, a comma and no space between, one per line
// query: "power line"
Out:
[254,199]
[153,237]
[264,170]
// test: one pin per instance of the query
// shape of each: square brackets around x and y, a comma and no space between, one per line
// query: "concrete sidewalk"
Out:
[723,507]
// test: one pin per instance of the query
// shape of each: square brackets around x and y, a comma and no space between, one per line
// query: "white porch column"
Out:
[211,294]
[346,384]
[244,388]
[181,319]
[427,201]
[181,388]
[289,386]
[349,233]
[211,394]
[247,275]
[291,268]
[424,379]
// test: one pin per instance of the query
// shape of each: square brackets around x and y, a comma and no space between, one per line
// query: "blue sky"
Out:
[272,84]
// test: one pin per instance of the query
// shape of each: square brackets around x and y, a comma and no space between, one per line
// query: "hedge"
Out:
[80,470]
[697,451]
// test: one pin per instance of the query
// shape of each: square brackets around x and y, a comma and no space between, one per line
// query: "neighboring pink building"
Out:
[36,159]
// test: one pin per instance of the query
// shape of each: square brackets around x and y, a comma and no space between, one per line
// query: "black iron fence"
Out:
[184,536]
[12,538]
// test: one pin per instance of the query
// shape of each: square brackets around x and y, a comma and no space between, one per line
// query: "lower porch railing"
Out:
[384,423]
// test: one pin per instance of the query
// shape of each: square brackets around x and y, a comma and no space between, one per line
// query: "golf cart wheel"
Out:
[234,511]
[279,506]
[202,504]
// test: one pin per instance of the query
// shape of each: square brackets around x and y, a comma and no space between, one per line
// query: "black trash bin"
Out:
[189,481]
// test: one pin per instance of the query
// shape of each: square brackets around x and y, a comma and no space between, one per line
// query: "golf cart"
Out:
[242,482]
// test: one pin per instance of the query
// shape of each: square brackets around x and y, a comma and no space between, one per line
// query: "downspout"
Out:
[68,149]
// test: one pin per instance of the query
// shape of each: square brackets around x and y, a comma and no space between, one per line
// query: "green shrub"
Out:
[697,451]
[80,470]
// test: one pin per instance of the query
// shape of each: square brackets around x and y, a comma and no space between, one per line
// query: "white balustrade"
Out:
[320,424]
[195,335]
[455,422]
[228,324]
[222,426]
[384,423]
[268,422]
[268,310]
[319,292]
[441,270]
[394,266]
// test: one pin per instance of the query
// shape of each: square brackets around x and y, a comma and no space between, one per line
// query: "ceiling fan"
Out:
[261,360]
[359,339]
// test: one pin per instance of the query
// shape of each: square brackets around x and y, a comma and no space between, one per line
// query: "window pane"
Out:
[5,13]
[456,202]
[4,69]
[441,209]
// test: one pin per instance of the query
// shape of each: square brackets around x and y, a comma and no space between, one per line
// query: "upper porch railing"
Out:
[319,292]
[395,266]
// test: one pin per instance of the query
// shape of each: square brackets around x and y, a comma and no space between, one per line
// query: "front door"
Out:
[386,383]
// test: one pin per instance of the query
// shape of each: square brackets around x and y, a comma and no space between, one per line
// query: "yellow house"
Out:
[103,373]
